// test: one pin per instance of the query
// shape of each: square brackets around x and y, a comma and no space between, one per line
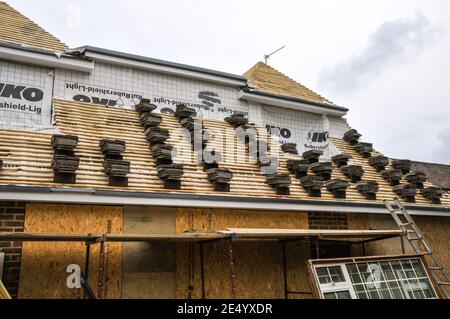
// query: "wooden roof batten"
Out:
[27,162]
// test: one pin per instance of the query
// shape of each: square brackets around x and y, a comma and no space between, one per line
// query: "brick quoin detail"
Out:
[12,219]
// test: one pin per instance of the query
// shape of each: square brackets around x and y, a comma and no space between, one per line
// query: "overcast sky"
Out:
[387,61]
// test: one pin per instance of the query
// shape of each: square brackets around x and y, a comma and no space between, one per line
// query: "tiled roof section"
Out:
[267,79]
[438,174]
[18,29]
[27,158]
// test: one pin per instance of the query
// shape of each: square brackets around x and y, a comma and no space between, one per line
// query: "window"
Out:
[375,279]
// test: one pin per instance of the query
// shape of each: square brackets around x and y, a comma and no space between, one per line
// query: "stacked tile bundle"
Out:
[322,169]
[353,172]
[364,149]
[341,160]
[65,163]
[312,156]
[338,187]
[157,136]
[298,167]
[393,176]
[220,178]
[352,137]
[281,183]
[237,120]
[368,189]
[407,192]
[171,175]
[403,165]
[289,148]
[433,193]
[416,178]
[115,167]
[379,162]
[313,184]
[168,172]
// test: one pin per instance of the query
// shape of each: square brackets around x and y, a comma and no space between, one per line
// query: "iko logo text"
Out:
[20,92]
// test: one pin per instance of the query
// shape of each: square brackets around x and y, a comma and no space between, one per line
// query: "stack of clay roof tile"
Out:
[341,160]
[338,187]
[220,178]
[168,172]
[313,184]
[289,148]
[65,163]
[281,183]
[299,167]
[115,167]
[368,188]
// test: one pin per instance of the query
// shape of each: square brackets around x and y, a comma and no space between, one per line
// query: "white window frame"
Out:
[348,285]
[336,287]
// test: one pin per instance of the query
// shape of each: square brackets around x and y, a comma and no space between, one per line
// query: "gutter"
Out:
[156,65]
[293,103]
[44,58]
[106,197]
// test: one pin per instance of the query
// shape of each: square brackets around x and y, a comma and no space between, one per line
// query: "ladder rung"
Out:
[444,283]
[405,224]
[414,238]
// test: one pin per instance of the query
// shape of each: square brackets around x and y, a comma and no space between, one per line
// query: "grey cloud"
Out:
[442,150]
[393,43]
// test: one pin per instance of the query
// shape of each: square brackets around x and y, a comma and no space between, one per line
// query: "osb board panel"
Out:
[376,222]
[220,219]
[437,232]
[43,269]
[27,159]
[259,266]
[297,255]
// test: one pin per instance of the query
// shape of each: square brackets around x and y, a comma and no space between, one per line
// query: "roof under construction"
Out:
[27,159]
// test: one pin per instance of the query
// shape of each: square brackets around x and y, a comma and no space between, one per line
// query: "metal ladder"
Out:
[415,237]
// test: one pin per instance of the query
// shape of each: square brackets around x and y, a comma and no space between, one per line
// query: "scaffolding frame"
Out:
[200,239]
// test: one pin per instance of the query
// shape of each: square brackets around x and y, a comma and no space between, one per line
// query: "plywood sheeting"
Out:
[437,232]
[259,266]
[43,269]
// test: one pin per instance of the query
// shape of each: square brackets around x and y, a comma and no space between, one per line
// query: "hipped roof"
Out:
[18,29]
[265,78]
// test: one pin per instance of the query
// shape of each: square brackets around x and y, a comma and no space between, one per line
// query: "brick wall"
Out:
[12,217]
[329,221]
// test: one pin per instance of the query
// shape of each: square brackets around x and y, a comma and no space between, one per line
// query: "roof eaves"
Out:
[85,50]
[68,195]
[296,99]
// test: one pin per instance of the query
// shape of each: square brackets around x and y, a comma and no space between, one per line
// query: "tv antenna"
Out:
[267,56]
